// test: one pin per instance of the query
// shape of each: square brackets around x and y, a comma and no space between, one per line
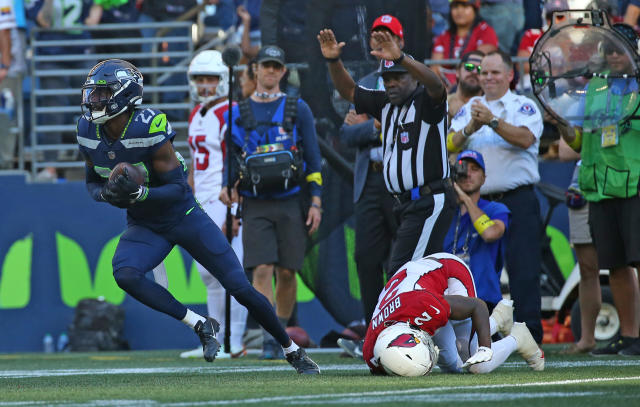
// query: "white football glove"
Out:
[483,354]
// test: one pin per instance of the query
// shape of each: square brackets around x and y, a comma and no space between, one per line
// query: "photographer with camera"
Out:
[276,152]
[476,234]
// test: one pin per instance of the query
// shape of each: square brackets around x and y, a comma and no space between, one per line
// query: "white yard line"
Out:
[244,368]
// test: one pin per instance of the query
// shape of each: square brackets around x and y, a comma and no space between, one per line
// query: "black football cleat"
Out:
[302,363]
[207,331]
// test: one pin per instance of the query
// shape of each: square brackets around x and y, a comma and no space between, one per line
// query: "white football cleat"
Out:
[503,315]
[527,346]
[235,354]
[195,353]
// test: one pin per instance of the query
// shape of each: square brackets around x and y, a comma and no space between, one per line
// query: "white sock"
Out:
[291,348]
[493,326]
[192,318]
[501,351]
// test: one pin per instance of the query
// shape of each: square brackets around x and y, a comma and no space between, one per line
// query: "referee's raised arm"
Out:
[389,50]
[331,50]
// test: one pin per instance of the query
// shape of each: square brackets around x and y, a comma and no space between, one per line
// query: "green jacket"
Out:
[609,172]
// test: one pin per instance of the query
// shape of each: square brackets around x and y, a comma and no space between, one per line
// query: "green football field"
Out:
[161,378]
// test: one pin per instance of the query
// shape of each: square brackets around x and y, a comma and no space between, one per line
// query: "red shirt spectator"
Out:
[529,40]
[482,34]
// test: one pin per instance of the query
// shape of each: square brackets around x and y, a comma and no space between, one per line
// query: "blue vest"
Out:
[266,133]
[146,132]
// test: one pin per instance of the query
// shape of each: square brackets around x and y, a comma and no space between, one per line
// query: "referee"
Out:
[412,111]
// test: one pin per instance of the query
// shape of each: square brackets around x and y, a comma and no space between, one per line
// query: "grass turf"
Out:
[162,378]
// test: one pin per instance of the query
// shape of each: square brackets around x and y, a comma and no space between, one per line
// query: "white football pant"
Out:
[456,346]
[216,293]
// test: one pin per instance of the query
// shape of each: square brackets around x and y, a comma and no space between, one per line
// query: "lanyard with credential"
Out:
[465,247]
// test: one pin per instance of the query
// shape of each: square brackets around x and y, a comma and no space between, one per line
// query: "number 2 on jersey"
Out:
[391,289]
[200,152]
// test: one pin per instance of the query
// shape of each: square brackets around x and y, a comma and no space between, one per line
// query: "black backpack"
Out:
[97,325]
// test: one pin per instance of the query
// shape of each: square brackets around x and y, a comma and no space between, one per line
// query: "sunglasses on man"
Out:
[470,67]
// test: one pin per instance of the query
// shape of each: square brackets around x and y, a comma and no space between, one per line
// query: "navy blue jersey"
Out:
[145,133]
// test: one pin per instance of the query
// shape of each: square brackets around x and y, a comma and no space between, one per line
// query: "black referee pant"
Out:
[422,226]
[523,257]
[375,229]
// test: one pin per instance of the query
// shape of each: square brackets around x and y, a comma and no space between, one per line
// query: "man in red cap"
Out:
[389,22]
[373,206]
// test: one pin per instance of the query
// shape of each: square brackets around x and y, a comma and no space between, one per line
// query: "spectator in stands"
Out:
[467,32]
[12,67]
[220,13]
[284,22]
[468,75]
[477,234]
[507,19]
[439,16]
[590,296]
[44,13]
[169,10]
[253,9]
[506,128]
[273,222]
[115,12]
[632,13]
[249,48]
[530,38]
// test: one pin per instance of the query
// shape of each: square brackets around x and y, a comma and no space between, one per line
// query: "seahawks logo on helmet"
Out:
[112,86]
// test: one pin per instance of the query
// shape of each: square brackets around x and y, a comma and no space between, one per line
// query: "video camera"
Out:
[459,170]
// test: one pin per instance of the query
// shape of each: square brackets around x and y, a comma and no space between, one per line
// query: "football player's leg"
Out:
[501,351]
[216,308]
[449,360]
[160,275]
[216,301]
[207,245]
[466,341]
[139,251]
[468,346]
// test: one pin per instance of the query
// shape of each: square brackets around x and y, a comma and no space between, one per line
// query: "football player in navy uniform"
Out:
[162,212]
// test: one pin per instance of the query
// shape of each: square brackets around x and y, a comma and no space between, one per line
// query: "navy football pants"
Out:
[140,249]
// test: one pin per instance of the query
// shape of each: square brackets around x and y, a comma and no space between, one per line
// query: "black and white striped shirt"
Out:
[414,144]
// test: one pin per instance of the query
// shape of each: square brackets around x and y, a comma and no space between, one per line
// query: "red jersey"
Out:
[529,40]
[482,34]
[415,294]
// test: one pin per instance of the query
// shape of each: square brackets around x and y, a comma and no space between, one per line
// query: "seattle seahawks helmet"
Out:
[111,87]
[208,63]
[403,350]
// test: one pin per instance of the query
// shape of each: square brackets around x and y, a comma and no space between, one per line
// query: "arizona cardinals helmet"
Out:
[111,87]
[208,63]
[405,351]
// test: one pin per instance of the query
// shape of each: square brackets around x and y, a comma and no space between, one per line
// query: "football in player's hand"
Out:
[134,174]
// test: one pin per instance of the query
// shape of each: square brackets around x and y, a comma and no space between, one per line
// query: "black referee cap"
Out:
[390,66]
